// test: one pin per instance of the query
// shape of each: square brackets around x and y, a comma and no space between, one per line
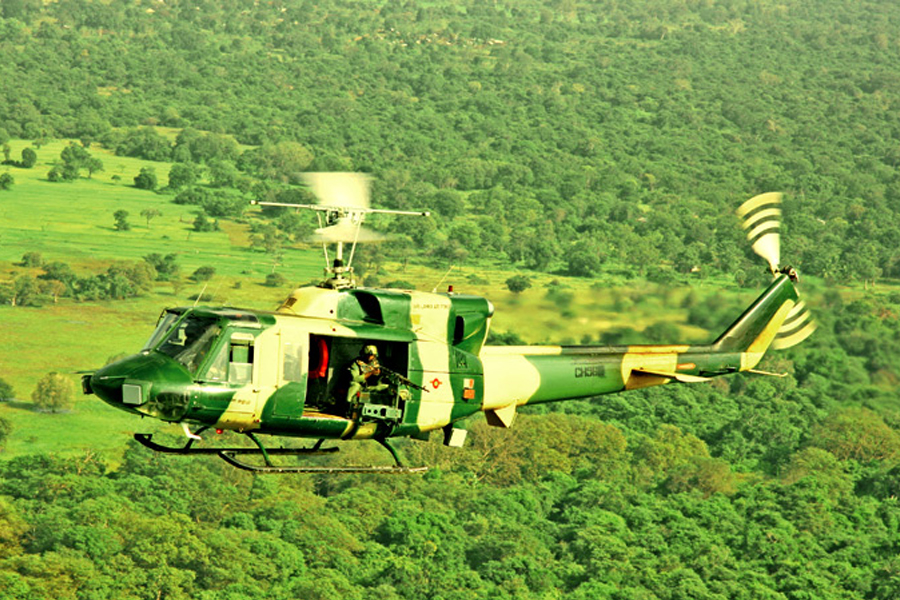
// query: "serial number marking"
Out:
[430,306]
[592,371]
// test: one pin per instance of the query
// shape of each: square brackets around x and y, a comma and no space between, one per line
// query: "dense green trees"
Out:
[166,267]
[57,279]
[535,128]
[561,505]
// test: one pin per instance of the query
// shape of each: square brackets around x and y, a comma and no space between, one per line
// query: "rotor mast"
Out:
[343,206]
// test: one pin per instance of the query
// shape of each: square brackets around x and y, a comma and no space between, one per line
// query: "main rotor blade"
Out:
[343,209]
[346,231]
[347,190]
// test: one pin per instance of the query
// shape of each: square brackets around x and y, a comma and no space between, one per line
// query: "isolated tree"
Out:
[150,213]
[75,158]
[203,273]
[6,181]
[121,217]
[54,392]
[93,165]
[6,391]
[146,179]
[518,284]
[275,280]
[29,158]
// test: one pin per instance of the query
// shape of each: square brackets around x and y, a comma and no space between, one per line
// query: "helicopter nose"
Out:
[133,383]
[109,382]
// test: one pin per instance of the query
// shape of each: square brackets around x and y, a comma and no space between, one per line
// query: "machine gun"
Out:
[398,379]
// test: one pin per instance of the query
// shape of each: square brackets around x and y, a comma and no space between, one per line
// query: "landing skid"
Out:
[145,439]
[230,455]
[392,470]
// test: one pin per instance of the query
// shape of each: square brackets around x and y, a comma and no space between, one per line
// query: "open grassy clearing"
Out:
[73,222]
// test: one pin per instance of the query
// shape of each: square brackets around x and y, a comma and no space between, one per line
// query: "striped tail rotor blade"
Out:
[797,326]
[762,221]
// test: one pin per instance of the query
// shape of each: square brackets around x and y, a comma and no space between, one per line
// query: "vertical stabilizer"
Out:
[758,327]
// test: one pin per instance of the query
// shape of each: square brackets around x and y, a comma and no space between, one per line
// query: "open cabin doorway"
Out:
[330,358]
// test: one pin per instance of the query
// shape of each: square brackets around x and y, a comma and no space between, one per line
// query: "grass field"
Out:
[73,223]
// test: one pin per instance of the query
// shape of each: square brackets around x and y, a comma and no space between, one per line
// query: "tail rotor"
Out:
[762,221]
[761,217]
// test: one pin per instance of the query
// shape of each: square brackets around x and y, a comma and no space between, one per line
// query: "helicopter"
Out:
[283,373]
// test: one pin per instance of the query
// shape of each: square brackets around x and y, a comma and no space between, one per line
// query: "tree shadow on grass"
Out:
[32,407]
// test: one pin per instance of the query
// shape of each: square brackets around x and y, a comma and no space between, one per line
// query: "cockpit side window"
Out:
[234,361]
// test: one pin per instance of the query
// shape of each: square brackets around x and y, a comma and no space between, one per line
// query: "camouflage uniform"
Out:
[359,369]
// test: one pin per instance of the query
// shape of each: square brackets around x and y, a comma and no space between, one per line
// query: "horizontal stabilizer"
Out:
[680,377]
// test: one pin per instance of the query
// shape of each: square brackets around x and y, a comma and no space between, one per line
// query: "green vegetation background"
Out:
[597,147]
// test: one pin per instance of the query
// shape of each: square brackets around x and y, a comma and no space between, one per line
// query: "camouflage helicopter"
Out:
[285,372]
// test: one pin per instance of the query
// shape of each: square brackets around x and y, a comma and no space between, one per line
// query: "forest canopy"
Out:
[529,127]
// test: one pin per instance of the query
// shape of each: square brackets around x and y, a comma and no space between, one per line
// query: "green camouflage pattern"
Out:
[281,372]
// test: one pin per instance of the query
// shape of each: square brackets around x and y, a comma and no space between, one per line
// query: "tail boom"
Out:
[519,375]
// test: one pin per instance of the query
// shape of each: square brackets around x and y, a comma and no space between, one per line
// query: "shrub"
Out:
[203,274]
[54,392]
[6,391]
[275,280]
[518,284]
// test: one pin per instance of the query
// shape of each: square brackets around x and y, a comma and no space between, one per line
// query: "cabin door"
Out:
[290,396]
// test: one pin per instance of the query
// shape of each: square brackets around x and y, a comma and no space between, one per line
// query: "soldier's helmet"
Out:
[369,350]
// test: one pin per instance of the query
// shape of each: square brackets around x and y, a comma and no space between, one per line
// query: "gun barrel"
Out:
[403,379]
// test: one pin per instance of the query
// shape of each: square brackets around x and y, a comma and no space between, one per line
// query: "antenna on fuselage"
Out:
[343,205]
[438,284]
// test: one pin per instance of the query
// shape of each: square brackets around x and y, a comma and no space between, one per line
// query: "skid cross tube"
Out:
[146,440]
